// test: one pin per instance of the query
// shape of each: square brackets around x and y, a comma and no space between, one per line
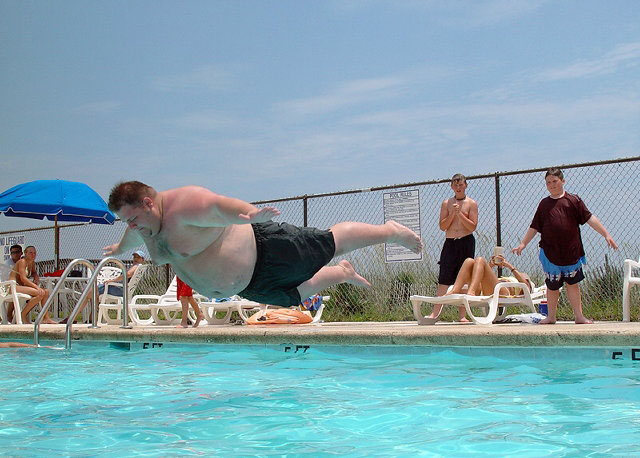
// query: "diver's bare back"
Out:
[214,261]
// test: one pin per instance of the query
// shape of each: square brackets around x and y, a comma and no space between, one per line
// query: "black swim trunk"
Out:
[453,254]
[287,256]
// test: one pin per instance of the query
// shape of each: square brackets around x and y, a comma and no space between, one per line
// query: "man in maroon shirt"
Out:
[558,219]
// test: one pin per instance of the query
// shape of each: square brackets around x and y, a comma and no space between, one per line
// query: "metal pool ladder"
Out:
[92,280]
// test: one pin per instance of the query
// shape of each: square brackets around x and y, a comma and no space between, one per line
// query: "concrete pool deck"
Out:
[600,334]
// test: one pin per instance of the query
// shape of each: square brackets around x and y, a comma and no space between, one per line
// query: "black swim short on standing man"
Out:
[453,254]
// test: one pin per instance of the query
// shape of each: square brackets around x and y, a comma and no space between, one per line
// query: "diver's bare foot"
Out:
[353,277]
[183,325]
[405,237]
[584,320]
[471,292]
[548,320]
[463,320]
[198,320]
[48,320]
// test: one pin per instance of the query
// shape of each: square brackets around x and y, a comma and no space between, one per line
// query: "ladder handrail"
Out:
[85,293]
[56,289]
[90,287]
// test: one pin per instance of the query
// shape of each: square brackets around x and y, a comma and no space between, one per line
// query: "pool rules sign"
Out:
[403,207]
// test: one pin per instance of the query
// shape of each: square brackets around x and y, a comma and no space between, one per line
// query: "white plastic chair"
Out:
[628,282]
[489,304]
[109,302]
[108,273]
[8,293]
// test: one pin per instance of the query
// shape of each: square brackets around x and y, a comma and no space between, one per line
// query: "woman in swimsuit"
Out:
[482,280]
[26,278]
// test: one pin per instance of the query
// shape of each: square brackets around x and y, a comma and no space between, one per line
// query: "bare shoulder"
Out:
[188,198]
[189,204]
[187,192]
[472,202]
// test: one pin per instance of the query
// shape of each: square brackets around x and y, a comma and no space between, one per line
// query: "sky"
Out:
[269,99]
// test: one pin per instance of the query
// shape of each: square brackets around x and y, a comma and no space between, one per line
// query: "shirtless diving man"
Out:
[223,246]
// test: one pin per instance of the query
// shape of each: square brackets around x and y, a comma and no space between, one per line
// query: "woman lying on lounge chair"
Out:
[479,275]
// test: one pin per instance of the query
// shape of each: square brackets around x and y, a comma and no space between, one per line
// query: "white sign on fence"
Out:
[5,244]
[403,207]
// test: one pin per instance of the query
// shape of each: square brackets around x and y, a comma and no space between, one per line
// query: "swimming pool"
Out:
[137,399]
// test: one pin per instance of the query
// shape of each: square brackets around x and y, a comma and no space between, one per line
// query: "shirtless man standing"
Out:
[458,219]
[223,246]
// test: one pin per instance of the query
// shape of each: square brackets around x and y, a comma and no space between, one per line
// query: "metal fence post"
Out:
[305,210]
[498,220]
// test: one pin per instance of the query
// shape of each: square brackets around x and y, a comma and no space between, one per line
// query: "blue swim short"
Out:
[556,276]
[114,290]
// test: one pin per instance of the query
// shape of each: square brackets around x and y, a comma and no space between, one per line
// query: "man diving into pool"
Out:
[223,246]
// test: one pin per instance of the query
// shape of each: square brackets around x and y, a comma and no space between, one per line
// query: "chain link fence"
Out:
[506,203]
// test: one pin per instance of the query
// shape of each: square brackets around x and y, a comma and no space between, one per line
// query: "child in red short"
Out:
[185,296]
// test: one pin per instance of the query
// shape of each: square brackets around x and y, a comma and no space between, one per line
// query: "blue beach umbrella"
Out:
[56,200]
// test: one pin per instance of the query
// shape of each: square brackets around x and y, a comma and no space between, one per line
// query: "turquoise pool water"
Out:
[182,400]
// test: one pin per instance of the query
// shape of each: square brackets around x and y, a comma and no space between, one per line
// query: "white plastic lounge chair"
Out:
[8,293]
[168,304]
[244,307]
[164,309]
[628,282]
[211,310]
[488,304]
[109,302]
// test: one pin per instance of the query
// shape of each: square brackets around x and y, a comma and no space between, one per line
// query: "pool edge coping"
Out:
[601,334]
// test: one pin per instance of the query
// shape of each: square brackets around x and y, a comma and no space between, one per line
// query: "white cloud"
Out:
[479,134]
[492,12]
[345,95]
[202,121]
[523,114]
[97,108]
[209,77]
[459,13]
[525,84]
[350,94]
[622,56]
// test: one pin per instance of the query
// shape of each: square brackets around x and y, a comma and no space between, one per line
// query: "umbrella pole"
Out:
[56,241]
